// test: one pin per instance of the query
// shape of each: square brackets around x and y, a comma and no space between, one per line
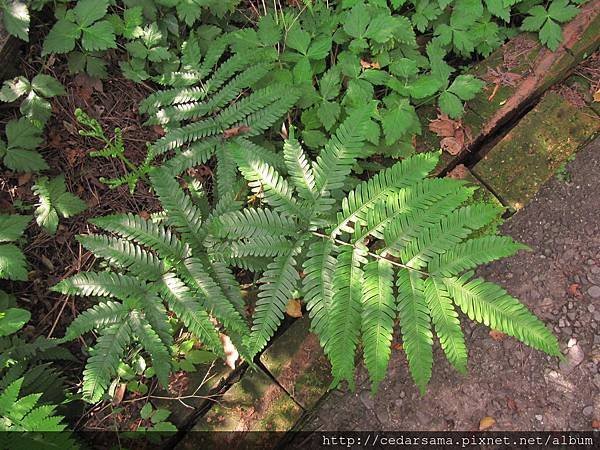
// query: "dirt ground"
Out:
[520,388]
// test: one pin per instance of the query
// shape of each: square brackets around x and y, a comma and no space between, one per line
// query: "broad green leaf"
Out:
[12,226]
[424,86]
[24,161]
[16,19]
[22,135]
[13,89]
[357,21]
[12,263]
[466,87]
[12,320]
[398,120]
[89,11]
[298,39]
[47,86]
[450,104]
[561,11]
[61,38]
[551,35]
[37,109]
[328,113]
[320,48]
[100,36]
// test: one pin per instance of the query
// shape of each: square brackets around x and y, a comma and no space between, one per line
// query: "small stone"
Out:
[588,411]
[591,308]
[539,417]
[574,357]
[568,331]
[570,305]
[571,342]
[561,323]
[594,292]
[571,315]
[597,316]
[402,394]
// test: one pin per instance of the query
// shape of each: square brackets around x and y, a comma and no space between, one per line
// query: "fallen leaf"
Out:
[158,130]
[597,96]
[119,394]
[235,131]
[24,178]
[459,172]
[512,405]
[486,423]
[452,145]
[574,291]
[398,346]
[443,126]
[231,353]
[294,308]
[46,262]
[497,335]
[145,215]
[369,65]
[596,424]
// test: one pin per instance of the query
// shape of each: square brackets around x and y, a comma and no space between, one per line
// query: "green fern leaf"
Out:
[300,170]
[102,366]
[319,268]
[417,339]
[446,323]
[124,255]
[102,284]
[251,223]
[345,314]
[472,253]
[378,314]
[99,316]
[182,301]
[277,284]
[152,343]
[376,190]
[489,304]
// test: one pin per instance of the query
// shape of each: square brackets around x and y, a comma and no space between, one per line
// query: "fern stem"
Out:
[374,255]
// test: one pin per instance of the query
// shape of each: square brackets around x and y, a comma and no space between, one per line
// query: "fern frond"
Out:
[300,170]
[446,323]
[253,223]
[187,307]
[319,268]
[377,188]
[344,315]
[196,154]
[271,157]
[226,177]
[182,214]
[144,232]
[187,108]
[156,315]
[472,253]
[212,297]
[99,316]
[377,320]
[124,255]
[152,343]
[417,339]
[260,246]
[102,366]
[491,305]
[265,181]
[409,202]
[102,284]
[451,230]
[277,284]
[405,227]
[335,161]
[227,281]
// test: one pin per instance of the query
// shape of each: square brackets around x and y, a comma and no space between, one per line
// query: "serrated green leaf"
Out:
[551,34]
[13,89]
[466,87]
[298,39]
[562,11]
[424,86]
[100,36]
[62,37]
[357,21]
[37,109]
[450,104]
[24,161]
[398,120]
[12,226]
[12,263]
[320,48]
[22,135]
[16,19]
[47,86]
[89,11]
[328,113]
[12,320]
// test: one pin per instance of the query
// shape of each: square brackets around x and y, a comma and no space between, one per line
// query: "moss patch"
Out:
[534,150]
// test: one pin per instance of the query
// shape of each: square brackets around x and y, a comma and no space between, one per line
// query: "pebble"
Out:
[571,316]
[561,323]
[594,291]
[571,342]
[588,411]
[597,316]
[539,417]
[570,305]
[574,358]
[591,308]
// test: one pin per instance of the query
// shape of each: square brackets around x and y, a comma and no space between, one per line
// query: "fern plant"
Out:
[209,101]
[13,265]
[399,245]
[154,264]
[54,200]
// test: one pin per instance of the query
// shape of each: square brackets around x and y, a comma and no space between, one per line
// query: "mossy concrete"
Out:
[535,148]
[299,365]
[255,403]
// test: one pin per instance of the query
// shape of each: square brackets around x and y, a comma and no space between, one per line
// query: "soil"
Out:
[520,388]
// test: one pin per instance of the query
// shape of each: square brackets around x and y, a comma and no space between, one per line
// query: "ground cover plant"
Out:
[275,153]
